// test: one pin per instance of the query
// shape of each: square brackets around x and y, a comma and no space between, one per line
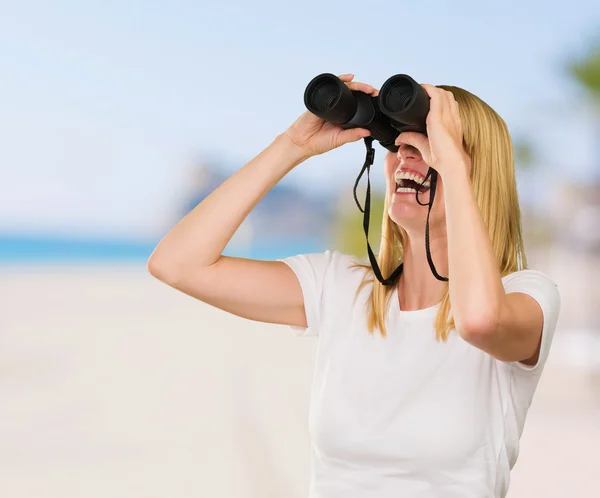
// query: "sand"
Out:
[114,385]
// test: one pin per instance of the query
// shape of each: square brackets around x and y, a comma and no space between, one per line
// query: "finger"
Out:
[456,116]
[435,104]
[363,87]
[413,138]
[430,89]
[451,111]
[353,134]
[455,105]
[346,77]
[417,140]
[449,104]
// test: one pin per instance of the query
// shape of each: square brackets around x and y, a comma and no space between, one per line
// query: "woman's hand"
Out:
[442,148]
[315,136]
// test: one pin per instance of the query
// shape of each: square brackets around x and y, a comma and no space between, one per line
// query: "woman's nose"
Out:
[406,152]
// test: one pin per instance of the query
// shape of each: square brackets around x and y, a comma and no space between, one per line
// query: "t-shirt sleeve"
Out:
[311,270]
[545,291]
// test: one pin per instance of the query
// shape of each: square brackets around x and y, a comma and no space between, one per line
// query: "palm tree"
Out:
[585,70]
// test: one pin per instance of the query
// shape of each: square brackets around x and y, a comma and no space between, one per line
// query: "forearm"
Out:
[202,235]
[475,285]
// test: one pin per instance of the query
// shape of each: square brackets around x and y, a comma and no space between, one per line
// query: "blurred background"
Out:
[117,118]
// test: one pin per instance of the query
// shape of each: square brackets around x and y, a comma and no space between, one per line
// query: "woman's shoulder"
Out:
[330,259]
[331,265]
[528,275]
[538,284]
[346,260]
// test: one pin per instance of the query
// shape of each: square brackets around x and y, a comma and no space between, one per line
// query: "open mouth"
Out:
[407,185]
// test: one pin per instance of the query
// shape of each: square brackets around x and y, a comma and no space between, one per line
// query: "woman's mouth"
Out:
[409,183]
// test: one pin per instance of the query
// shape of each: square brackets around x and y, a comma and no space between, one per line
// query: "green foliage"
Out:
[349,231]
[524,154]
[586,69]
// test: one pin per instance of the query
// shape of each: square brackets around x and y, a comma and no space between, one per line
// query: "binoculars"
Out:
[402,105]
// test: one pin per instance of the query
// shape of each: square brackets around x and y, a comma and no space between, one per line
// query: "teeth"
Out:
[404,175]
[405,189]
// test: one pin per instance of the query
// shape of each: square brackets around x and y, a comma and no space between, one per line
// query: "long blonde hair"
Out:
[488,143]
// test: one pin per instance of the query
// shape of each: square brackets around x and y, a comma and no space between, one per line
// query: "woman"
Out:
[411,397]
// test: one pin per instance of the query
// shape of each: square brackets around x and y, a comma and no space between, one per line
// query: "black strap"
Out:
[392,279]
[434,177]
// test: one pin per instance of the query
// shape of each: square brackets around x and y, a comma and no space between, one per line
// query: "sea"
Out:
[43,249]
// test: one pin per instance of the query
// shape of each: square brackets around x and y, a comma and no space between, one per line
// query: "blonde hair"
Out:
[488,143]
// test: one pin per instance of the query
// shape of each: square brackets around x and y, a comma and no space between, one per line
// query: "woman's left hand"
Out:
[442,148]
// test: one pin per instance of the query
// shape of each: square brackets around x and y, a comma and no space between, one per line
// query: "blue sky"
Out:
[106,106]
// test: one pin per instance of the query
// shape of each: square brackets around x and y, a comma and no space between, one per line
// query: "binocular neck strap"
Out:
[434,177]
[393,278]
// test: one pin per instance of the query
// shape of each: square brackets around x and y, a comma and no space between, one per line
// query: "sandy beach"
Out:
[112,384]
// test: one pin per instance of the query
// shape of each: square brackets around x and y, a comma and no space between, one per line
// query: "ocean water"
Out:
[44,249]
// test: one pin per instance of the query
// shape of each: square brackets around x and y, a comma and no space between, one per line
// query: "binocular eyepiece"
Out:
[402,105]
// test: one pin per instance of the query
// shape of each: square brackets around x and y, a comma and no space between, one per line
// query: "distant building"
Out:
[284,214]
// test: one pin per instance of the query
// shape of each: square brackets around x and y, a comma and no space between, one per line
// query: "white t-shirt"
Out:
[408,416]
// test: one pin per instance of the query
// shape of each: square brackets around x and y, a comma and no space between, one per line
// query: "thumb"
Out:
[419,142]
[353,135]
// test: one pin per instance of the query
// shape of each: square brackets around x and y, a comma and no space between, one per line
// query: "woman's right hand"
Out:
[315,136]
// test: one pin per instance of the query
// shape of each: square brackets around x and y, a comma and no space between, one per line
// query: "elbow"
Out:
[155,267]
[164,270]
[478,329]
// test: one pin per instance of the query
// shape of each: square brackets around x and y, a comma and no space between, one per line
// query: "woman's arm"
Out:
[189,258]
[202,234]
[508,327]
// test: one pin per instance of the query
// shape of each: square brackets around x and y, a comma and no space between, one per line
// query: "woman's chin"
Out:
[406,205]
[407,216]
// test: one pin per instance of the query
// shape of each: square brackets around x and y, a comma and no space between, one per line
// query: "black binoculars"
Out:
[402,105]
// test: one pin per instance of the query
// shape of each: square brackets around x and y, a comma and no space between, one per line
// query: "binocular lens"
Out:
[399,96]
[405,102]
[329,98]
[324,96]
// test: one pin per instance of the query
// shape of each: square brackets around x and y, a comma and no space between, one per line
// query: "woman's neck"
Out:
[418,288]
